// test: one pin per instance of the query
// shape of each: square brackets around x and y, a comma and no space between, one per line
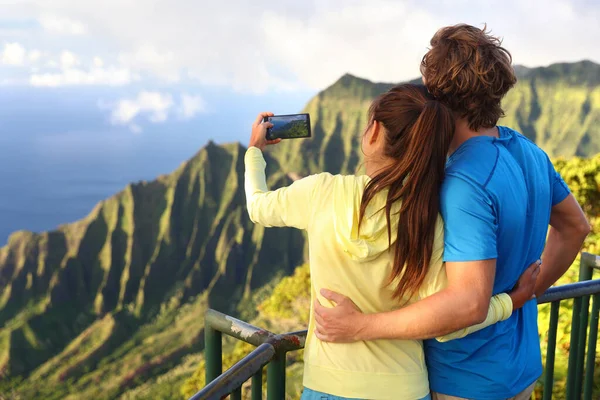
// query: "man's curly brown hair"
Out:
[469,70]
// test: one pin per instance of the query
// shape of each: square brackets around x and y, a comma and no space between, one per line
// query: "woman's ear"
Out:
[375,132]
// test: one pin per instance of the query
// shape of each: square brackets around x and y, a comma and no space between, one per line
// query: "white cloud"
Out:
[69,65]
[262,46]
[147,58]
[110,76]
[68,60]
[190,106]
[365,39]
[62,25]
[155,105]
[13,54]
[34,55]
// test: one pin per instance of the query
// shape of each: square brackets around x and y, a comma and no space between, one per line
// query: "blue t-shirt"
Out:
[496,202]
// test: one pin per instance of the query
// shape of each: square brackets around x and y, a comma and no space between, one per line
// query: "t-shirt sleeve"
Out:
[560,190]
[500,309]
[470,223]
[287,206]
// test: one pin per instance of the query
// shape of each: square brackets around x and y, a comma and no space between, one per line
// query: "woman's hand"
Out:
[258,138]
[524,290]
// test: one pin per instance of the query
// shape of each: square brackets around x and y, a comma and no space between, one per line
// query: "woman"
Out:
[376,238]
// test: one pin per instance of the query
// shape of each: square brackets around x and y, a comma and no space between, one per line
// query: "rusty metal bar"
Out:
[238,329]
[290,341]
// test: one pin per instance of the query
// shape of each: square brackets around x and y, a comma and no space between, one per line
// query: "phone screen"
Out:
[288,126]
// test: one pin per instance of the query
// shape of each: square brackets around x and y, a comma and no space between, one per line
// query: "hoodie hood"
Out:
[372,240]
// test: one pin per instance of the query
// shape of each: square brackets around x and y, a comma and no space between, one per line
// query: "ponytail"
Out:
[419,130]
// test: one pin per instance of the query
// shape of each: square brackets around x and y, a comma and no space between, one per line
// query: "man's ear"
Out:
[375,132]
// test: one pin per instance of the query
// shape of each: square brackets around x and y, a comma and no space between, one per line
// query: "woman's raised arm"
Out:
[288,206]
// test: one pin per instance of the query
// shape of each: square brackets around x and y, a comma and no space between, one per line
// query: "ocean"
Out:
[59,155]
[45,183]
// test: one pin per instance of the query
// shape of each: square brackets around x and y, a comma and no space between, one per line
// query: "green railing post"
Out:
[585,274]
[257,385]
[276,377]
[551,350]
[572,366]
[591,354]
[213,353]
[236,394]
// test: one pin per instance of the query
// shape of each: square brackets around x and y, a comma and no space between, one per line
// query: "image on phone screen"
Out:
[288,126]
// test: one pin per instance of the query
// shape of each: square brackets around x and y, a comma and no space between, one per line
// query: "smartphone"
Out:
[292,126]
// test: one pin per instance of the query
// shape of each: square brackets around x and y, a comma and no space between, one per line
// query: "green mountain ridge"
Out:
[557,106]
[102,307]
[584,72]
[70,298]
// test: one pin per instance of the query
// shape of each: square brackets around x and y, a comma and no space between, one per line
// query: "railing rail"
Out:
[272,348]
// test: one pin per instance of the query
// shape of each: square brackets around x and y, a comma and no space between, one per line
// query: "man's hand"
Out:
[258,137]
[524,290]
[342,323]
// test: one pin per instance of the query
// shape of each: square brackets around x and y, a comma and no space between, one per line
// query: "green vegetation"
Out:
[111,306]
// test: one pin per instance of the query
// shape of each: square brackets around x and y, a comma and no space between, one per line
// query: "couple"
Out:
[423,269]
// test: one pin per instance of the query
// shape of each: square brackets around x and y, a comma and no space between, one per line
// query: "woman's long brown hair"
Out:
[418,131]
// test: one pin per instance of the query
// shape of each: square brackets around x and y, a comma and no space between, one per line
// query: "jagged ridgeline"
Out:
[102,296]
[104,307]
[558,107]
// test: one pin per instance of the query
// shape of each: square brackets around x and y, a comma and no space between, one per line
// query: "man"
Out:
[500,194]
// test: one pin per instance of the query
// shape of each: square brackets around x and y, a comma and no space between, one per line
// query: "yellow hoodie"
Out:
[355,264]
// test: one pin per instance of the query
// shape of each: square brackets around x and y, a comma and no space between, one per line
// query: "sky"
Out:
[96,94]
[161,60]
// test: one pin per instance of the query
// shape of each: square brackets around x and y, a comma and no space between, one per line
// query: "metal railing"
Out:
[579,325]
[272,348]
